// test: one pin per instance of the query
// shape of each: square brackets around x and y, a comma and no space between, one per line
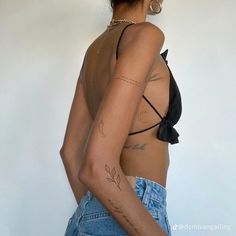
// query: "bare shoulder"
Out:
[146,30]
[145,33]
[149,29]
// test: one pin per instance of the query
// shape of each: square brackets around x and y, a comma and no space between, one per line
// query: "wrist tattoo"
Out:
[118,210]
[112,177]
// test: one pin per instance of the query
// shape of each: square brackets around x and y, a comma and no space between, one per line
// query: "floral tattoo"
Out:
[112,177]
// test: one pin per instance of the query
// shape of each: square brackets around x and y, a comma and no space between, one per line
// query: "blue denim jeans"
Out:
[91,218]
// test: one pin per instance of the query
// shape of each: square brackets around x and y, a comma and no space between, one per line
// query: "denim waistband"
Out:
[151,193]
[149,189]
[146,189]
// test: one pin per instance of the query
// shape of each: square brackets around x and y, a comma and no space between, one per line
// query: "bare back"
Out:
[143,154]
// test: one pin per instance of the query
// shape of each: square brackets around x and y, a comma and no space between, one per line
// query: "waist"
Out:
[133,179]
[147,187]
[148,163]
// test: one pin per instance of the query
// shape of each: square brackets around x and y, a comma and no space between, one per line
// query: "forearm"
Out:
[117,195]
[72,167]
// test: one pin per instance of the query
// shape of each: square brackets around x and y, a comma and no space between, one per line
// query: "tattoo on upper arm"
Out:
[112,177]
[130,81]
[118,210]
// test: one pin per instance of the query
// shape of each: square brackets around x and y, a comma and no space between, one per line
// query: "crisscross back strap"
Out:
[152,107]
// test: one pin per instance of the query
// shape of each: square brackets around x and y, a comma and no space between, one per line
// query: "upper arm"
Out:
[122,96]
[79,123]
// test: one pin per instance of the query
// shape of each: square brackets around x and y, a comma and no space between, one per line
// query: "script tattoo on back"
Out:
[137,146]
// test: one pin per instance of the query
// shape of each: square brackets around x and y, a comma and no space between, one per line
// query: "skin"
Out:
[93,154]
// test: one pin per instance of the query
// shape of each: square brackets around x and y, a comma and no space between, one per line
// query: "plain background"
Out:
[42,44]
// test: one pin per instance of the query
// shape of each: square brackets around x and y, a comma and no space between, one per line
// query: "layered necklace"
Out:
[115,22]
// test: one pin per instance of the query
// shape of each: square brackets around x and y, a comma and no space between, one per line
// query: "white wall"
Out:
[42,44]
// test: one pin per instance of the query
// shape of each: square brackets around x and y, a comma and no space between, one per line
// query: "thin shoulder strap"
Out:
[120,39]
[152,107]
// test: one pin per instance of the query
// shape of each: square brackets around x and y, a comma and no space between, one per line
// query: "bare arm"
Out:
[101,171]
[72,169]
[72,165]
[72,150]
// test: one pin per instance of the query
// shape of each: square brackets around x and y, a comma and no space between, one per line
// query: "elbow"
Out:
[93,170]
[89,174]
[66,153]
[63,153]
[82,176]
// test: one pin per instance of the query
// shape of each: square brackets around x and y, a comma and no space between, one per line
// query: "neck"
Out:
[137,13]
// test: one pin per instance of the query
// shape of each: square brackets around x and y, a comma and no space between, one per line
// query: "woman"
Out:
[121,121]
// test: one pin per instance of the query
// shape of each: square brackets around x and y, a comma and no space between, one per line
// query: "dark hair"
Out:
[114,3]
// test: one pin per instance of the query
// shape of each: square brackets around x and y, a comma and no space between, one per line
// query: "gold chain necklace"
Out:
[114,22]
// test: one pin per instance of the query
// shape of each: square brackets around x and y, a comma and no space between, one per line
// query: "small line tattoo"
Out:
[112,177]
[141,116]
[130,81]
[139,146]
[118,210]
[154,77]
[101,128]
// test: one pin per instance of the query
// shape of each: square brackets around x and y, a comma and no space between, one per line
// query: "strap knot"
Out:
[166,132]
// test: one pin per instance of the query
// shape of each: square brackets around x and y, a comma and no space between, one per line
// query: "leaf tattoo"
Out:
[113,172]
[107,168]
[112,177]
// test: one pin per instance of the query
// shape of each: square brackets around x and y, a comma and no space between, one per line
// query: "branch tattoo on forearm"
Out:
[130,81]
[112,177]
[118,210]
[116,180]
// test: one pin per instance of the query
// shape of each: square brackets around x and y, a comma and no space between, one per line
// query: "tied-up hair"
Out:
[114,3]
